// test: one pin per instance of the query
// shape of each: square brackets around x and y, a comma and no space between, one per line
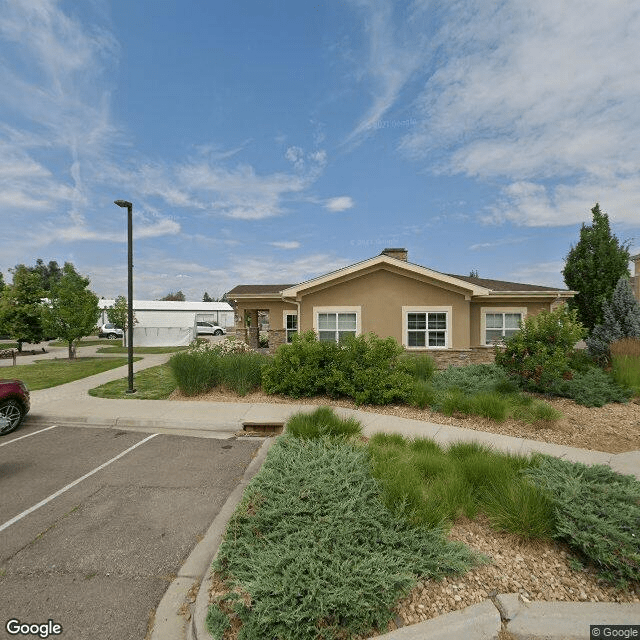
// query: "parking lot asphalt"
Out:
[96,523]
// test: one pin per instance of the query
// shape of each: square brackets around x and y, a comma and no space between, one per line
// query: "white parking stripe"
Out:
[8,523]
[4,444]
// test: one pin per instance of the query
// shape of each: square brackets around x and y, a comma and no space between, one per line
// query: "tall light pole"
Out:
[129,206]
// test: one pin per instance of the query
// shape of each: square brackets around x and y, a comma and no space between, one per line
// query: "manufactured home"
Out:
[455,318]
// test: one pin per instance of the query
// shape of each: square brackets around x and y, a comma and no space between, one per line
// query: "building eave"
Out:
[413,269]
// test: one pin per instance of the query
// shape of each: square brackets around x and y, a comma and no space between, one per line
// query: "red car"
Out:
[14,404]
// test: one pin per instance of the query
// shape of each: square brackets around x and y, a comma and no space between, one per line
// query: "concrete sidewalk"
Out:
[71,405]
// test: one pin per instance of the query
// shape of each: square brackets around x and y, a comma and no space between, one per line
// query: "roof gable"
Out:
[412,270]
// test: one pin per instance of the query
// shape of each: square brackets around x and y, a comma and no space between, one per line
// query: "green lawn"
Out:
[121,349]
[155,383]
[85,342]
[43,374]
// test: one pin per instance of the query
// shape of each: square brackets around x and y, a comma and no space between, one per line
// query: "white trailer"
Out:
[166,313]
[171,323]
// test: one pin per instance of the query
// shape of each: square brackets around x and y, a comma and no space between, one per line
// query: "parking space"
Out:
[94,523]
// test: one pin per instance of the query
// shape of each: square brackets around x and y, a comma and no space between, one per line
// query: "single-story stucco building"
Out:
[456,318]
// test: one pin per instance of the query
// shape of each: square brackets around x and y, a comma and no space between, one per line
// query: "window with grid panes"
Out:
[500,326]
[334,327]
[427,329]
[291,326]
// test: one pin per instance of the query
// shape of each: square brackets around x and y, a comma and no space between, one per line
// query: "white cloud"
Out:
[394,55]
[341,203]
[286,244]
[295,155]
[239,192]
[500,242]
[543,97]
[543,273]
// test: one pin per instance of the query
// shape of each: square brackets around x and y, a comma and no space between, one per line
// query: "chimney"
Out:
[398,254]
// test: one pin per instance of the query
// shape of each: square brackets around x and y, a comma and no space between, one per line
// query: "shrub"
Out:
[300,368]
[471,379]
[367,369]
[621,320]
[597,512]
[314,551]
[322,422]
[594,388]
[539,354]
[227,346]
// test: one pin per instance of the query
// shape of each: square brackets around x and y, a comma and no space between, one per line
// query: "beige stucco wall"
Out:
[381,294]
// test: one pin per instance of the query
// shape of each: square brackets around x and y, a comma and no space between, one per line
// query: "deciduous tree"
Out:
[73,310]
[21,307]
[178,296]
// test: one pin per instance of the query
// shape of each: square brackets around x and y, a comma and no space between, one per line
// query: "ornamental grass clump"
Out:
[322,422]
[312,553]
[230,364]
[427,485]
[625,363]
[195,371]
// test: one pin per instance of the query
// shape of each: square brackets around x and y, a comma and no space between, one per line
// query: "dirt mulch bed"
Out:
[614,428]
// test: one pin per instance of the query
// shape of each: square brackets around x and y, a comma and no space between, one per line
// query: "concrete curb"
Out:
[170,622]
[522,620]
[224,431]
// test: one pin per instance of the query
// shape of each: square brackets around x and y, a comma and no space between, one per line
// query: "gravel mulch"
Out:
[614,428]
[537,570]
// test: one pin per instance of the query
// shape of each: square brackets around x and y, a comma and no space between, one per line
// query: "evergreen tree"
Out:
[21,306]
[593,268]
[206,297]
[621,320]
[73,310]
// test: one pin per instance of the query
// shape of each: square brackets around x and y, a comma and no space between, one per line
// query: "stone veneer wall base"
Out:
[460,357]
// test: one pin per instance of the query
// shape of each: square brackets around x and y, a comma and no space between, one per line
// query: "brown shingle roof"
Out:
[257,289]
[501,285]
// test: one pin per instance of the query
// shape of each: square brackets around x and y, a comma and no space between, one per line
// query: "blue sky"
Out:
[271,142]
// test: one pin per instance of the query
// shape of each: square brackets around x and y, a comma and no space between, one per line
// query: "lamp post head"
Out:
[123,203]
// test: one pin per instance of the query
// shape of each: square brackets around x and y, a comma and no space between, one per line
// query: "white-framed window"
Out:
[290,325]
[334,324]
[500,324]
[426,327]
